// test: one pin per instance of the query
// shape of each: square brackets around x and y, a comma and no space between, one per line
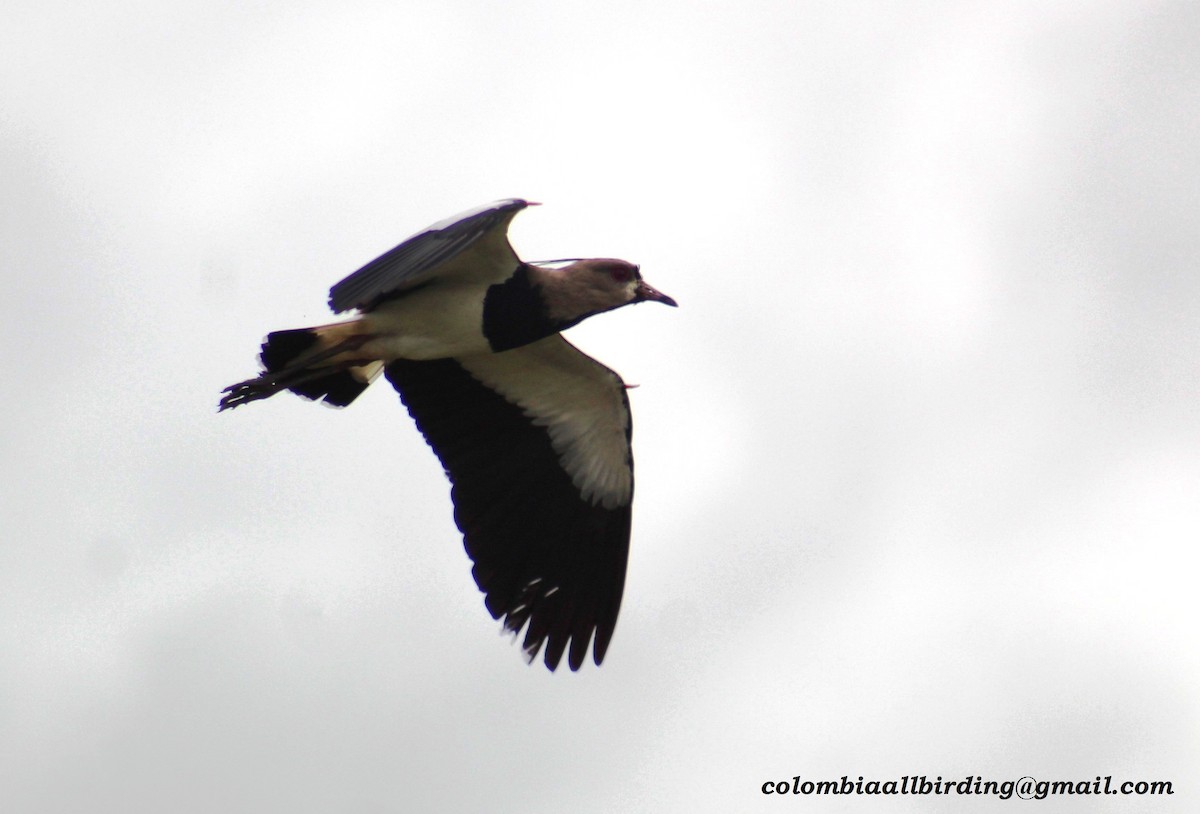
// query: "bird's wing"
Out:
[432,252]
[536,442]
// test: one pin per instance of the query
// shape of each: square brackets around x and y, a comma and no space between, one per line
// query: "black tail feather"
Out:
[281,348]
[289,363]
[336,389]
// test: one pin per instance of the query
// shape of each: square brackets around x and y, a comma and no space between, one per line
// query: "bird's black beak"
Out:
[644,291]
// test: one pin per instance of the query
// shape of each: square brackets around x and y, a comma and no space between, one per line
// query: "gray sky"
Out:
[918,481]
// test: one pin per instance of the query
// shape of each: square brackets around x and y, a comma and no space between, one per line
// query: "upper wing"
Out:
[426,253]
[536,442]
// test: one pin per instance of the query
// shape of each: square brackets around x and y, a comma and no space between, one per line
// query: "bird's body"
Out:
[533,434]
[432,322]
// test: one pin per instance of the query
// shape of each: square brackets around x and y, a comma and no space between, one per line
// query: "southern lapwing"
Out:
[533,434]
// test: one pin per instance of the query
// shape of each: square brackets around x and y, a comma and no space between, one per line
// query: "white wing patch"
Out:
[581,404]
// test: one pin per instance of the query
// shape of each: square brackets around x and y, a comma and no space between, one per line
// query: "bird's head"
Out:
[621,280]
[586,287]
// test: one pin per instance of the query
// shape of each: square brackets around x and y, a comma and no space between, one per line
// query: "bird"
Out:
[533,434]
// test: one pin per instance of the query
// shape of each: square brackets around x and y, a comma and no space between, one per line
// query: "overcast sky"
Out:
[918,456]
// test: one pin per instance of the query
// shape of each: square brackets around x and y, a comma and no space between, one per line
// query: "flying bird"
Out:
[533,434]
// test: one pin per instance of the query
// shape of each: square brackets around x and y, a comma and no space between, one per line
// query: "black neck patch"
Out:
[514,313]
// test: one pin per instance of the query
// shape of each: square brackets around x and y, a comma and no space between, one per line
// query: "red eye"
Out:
[621,274]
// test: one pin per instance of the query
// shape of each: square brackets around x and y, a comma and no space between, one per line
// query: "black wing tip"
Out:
[557,637]
[575,649]
[553,632]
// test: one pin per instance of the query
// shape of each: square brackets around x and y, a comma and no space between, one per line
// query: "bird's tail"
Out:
[322,363]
